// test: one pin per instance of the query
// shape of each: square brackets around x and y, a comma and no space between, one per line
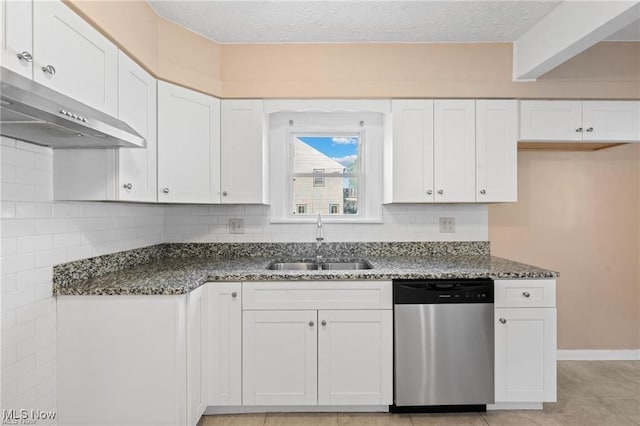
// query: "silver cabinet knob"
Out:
[579,130]
[49,69]
[483,191]
[25,56]
[311,323]
[503,321]
[590,129]
[127,185]
[323,323]
[429,192]
[526,294]
[234,294]
[165,190]
[440,191]
[225,193]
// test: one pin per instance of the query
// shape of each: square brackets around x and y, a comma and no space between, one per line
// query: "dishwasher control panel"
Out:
[443,291]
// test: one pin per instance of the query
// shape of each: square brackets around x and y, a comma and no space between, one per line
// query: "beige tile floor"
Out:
[594,393]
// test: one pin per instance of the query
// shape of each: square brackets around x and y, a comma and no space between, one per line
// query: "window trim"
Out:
[292,134]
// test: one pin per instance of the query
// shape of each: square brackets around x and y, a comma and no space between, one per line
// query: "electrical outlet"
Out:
[236,226]
[447,224]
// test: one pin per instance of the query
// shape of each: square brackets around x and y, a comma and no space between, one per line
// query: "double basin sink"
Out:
[323,266]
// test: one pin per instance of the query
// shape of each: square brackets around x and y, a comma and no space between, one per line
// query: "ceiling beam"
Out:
[570,28]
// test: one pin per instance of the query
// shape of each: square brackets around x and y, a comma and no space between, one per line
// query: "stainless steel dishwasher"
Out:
[443,345]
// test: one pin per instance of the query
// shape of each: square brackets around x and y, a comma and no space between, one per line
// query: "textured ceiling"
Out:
[237,21]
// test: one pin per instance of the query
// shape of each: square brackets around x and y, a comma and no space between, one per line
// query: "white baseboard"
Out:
[245,409]
[515,406]
[598,355]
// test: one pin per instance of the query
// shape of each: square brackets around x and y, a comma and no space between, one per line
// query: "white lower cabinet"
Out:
[224,377]
[525,341]
[355,357]
[279,357]
[196,356]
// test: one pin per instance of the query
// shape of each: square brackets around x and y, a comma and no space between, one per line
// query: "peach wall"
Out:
[444,70]
[579,213]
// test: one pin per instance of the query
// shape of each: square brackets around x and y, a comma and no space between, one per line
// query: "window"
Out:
[301,208]
[326,155]
[318,181]
[325,172]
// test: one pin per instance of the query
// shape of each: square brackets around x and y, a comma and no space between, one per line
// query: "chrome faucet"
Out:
[319,238]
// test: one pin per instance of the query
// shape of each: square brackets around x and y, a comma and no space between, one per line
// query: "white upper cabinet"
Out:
[611,121]
[70,56]
[137,95]
[16,36]
[551,120]
[119,174]
[188,146]
[243,152]
[409,156]
[496,150]
[605,121]
[454,151]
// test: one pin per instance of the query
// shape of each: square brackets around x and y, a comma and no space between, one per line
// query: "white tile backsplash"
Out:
[37,233]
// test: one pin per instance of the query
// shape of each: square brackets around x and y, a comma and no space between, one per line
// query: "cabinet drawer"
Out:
[265,295]
[525,293]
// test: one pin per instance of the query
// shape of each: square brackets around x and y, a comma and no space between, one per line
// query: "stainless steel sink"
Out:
[312,266]
[293,266]
[346,265]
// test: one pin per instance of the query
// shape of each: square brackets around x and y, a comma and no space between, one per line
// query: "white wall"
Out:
[37,233]
[400,223]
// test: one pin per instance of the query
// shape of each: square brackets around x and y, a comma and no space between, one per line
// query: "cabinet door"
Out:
[525,358]
[196,359]
[611,121]
[410,152]
[496,150]
[188,146]
[137,107]
[355,357]
[279,358]
[16,36]
[225,343]
[243,152]
[551,120]
[454,151]
[85,62]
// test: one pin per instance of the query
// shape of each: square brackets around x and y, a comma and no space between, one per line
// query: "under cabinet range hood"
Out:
[34,113]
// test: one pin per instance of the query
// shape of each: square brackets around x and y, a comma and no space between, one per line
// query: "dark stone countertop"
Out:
[180,275]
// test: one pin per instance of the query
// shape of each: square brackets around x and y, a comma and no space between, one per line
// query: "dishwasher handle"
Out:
[443,291]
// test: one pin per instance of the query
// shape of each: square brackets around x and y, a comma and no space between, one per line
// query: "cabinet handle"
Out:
[165,190]
[579,130]
[127,185]
[323,323]
[440,191]
[503,321]
[234,294]
[49,69]
[225,193]
[526,294]
[483,191]
[25,56]
[429,192]
[590,129]
[311,323]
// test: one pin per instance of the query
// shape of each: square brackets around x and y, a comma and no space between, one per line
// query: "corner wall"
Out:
[579,213]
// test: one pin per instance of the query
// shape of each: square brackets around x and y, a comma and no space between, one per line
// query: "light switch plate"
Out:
[236,226]
[447,224]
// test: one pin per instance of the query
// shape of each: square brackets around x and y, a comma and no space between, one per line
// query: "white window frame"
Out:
[360,175]
[372,116]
